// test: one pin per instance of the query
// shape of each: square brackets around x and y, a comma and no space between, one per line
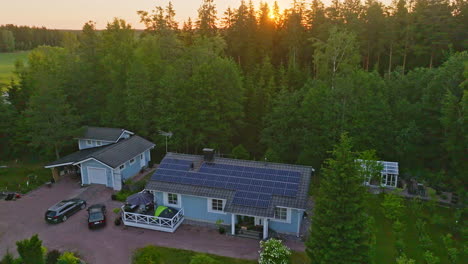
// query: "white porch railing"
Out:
[153,222]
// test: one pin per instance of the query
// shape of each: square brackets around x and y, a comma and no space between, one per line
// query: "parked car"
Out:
[96,215]
[63,210]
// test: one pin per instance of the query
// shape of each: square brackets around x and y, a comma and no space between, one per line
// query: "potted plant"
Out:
[117,220]
[221,228]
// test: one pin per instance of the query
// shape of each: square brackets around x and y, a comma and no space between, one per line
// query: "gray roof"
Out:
[103,133]
[112,155]
[298,202]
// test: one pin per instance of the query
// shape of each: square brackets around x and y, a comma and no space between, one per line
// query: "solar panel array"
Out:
[254,186]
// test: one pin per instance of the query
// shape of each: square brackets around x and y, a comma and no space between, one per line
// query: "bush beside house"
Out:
[31,251]
[274,252]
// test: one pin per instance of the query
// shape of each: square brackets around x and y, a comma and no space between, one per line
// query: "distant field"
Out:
[7,65]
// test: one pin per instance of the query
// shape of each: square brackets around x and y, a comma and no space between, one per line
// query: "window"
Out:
[122,167]
[98,143]
[132,161]
[141,156]
[172,198]
[217,205]
[89,142]
[281,213]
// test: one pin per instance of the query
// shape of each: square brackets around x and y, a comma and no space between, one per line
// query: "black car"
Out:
[96,215]
[63,210]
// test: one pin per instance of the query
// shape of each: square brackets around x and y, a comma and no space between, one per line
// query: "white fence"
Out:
[153,222]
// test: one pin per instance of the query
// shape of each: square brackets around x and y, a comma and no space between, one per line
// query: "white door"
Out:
[97,175]
[142,160]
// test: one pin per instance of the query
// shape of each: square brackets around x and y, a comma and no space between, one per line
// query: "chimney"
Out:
[208,154]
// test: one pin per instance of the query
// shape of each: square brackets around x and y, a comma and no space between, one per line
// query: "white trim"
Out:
[131,162]
[210,205]
[103,140]
[299,219]
[233,224]
[288,216]
[166,200]
[79,162]
[58,165]
[81,172]
[265,228]
[98,143]
[123,132]
[89,142]
[121,169]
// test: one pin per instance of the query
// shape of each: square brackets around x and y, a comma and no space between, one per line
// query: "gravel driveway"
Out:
[25,217]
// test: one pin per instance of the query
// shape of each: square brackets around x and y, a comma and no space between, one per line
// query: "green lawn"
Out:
[7,65]
[14,177]
[181,256]
[436,227]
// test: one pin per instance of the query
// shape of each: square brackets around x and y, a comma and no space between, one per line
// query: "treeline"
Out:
[252,86]
[13,37]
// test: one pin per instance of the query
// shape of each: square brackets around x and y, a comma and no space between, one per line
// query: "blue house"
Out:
[108,156]
[245,196]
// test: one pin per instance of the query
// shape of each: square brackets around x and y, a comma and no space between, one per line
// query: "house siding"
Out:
[196,208]
[83,145]
[131,170]
[283,227]
[95,164]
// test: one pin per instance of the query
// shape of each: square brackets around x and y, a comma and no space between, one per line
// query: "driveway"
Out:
[25,217]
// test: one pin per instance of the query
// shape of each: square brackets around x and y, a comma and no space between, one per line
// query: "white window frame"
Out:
[122,167]
[210,206]
[98,143]
[89,142]
[141,156]
[288,215]
[132,161]
[179,200]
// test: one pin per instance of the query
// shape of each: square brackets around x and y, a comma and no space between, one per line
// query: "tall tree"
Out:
[339,231]
[117,46]
[206,22]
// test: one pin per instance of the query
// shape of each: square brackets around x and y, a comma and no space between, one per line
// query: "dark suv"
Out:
[64,209]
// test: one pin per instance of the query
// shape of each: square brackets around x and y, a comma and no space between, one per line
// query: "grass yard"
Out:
[7,65]
[439,222]
[180,256]
[14,177]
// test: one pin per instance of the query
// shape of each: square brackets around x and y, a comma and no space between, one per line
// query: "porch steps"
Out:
[249,234]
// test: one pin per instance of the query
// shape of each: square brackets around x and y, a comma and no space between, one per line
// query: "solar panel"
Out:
[252,186]
[251,199]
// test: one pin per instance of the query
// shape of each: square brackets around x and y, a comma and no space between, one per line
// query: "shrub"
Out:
[7,259]
[31,250]
[430,258]
[273,252]
[239,152]
[52,256]
[68,258]
[203,259]
[393,206]
[403,259]
[147,255]
[116,210]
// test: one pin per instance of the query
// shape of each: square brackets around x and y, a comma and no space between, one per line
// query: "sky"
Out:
[72,14]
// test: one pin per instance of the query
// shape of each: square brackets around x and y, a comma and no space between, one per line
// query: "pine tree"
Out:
[340,233]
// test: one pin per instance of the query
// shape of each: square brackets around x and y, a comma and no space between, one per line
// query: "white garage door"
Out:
[97,175]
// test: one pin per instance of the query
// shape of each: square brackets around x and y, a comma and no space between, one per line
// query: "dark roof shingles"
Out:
[112,155]
[102,133]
